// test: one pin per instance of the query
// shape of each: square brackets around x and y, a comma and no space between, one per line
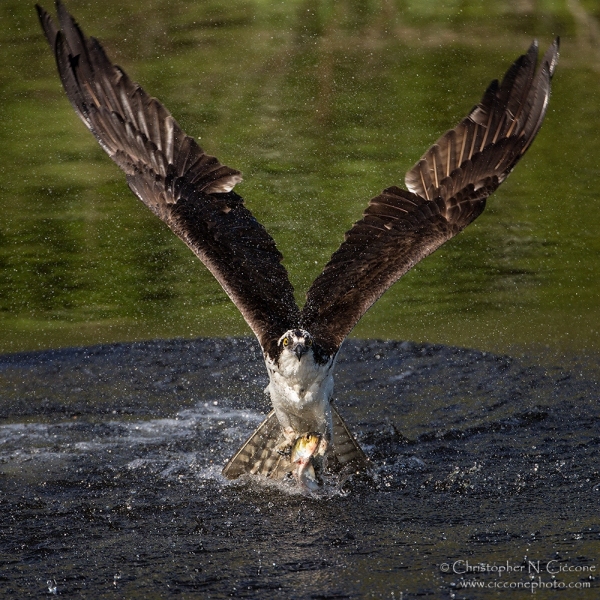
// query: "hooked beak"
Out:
[300,350]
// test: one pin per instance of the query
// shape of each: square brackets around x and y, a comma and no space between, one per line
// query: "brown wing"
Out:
[171,174]
[448,188]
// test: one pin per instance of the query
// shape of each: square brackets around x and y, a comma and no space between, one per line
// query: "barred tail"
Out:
[260,454]
[347,453]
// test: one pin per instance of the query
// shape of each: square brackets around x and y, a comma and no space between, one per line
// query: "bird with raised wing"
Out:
[192,192]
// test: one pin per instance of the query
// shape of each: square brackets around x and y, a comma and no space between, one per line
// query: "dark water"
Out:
[110,461]
[110,456]
[321,105]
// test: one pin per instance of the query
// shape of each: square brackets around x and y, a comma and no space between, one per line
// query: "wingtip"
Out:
[532,52]
[60,8]
[42,14]
[551,57]
[66,20]
[48,27]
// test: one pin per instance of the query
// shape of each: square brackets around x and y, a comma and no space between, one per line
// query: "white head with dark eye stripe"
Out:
[296,342]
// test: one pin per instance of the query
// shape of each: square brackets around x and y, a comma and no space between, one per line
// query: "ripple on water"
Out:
[499,466]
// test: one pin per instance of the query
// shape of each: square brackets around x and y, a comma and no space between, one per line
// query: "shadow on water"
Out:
[110,461]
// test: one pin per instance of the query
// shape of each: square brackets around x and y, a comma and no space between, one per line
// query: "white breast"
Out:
[301,392]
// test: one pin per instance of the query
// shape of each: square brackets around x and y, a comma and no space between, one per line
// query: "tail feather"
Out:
[260,454]
[347,453]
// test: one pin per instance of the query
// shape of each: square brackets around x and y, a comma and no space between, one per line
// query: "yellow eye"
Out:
[286,342]
[309,342]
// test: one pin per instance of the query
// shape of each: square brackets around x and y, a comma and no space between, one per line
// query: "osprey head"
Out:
[296,341]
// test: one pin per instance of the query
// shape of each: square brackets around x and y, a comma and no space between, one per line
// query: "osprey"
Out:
[192,193]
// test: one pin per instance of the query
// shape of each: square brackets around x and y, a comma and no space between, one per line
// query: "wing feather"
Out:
[447,190]
[188,189]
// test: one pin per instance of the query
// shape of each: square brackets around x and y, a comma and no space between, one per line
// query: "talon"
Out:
[284,449]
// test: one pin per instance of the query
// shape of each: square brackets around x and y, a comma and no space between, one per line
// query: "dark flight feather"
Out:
[448,188]
[192,192]
[189,190]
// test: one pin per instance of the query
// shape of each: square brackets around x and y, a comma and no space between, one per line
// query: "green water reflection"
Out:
[321,105]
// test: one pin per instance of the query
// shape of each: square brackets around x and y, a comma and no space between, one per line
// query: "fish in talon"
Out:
[307,449]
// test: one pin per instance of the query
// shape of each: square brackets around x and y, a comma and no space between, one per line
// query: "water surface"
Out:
[321,105]
[110,461]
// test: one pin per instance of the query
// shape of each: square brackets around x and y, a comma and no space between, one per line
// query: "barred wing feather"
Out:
[189,190]
[448,188]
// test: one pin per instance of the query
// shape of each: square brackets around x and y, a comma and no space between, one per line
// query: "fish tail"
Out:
[261,453]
